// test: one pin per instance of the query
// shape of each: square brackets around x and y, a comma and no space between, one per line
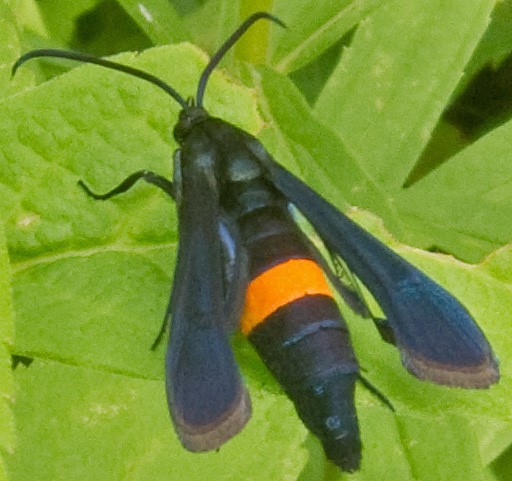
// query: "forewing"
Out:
[437,337]
[207,398]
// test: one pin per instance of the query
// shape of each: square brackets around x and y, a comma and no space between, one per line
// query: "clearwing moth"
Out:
[243,261]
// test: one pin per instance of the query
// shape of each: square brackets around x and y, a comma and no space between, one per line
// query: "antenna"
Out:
[217,56]
[83,57]
[214,61]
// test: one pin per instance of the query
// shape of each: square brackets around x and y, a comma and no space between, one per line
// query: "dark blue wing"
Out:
[207,398]
[437,337]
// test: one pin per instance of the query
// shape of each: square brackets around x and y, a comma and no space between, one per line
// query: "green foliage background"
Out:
[353,98]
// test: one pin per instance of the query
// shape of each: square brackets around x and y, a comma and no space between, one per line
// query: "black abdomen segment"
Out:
[293,322]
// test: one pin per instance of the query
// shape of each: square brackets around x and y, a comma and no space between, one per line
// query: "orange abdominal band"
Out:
[278,286]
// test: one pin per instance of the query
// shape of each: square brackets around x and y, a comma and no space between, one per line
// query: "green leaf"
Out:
[211,22]
[82,423]
[10,50]
[310,35]
[416,446]
[7,391]
[92,280]
[207,24]
[157,18]
[465,203]
[496,44]
[28,18]
[99,132]
[386,95]
[384,100]
[60,17]
[295,143]
[501,468]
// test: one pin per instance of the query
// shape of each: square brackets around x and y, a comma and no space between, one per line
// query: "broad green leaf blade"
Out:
[206,24]
[465,203]
[443,221]
[81,423]
[442,447]
[158,19]
[394,81]
[212,22]
[60,17]
[497,443]
[309,35]
[28,18]
[7,390]
[502,467]
[83,309]
[496,44]
[10,50]
[310,79]
[380,437]
[411,446]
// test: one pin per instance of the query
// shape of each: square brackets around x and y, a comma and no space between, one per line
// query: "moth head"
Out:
[188,118]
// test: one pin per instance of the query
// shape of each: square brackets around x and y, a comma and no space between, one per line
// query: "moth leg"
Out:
[357,302]
[351,291]
[160,335]
[376,392]
[385,330]
[150,177]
